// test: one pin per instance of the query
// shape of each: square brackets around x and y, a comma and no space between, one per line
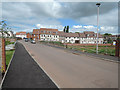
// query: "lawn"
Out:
[9,54]
[106,49]
[109,50]
[8,42]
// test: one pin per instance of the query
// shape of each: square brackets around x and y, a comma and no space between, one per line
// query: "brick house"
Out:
[29,35]
[82,38]
[21,35]
[68,37]
[45,34]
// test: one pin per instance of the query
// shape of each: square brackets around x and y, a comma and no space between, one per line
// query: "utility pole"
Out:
[98,4]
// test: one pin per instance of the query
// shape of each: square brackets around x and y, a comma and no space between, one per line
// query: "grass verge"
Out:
[9,54]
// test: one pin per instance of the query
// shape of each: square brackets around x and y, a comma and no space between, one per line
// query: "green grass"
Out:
[109,50]
[8,42]
[9,54]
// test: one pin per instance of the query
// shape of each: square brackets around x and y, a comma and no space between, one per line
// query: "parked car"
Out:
[33,41]
[26,40]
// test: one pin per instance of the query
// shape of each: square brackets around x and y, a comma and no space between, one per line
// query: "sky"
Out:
[80,16]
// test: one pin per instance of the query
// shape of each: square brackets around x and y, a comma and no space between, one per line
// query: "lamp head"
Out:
[98,4]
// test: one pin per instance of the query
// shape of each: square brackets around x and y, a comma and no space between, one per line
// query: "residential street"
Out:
[68,70]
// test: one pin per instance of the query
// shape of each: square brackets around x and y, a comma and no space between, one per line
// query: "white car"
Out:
[33,41]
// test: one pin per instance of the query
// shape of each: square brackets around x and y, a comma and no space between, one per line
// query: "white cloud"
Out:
[89,27]
[77,26]
[59,27]
[27,15]
[109,29]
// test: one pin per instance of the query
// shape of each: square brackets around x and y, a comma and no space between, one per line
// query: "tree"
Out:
[64,30]
[67,29]
[107,37]
[76,32]
[3,28]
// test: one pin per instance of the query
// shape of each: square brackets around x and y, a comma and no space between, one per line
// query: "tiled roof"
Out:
[20,33]
[82,35]
[45,31]
[63,34]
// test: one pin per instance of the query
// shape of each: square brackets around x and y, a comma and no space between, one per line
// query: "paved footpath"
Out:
[24,72]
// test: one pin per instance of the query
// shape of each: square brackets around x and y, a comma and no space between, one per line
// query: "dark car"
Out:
[26,40]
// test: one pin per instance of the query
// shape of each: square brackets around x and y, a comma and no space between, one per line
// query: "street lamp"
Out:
[98,5]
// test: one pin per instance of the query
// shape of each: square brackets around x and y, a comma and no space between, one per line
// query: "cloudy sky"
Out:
[80,16]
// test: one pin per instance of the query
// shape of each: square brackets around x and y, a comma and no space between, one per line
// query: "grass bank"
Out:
[8,42]
[9,54]
[107,50]
[103,49]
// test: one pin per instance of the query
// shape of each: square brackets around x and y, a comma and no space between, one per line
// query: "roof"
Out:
[82,35]
[20,33]
[45,31]
[63,34]
[88,32]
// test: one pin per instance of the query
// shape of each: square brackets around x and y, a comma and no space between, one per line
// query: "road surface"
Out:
[68,70]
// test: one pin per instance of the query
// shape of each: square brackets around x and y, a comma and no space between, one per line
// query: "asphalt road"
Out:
[69,70]
[24,72]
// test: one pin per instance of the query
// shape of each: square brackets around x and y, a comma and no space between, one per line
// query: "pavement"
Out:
[24,72]
[71,70]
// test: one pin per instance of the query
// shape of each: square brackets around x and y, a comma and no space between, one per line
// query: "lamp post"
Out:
[98,5]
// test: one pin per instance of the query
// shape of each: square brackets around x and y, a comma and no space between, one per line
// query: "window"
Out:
[41,31]
[44,31]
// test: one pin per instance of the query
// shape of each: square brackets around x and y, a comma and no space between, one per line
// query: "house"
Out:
[45,34]
[114,37]
[21,35]
[86,37]
[69,37]
[29,35]
[89,37]
[48,34]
